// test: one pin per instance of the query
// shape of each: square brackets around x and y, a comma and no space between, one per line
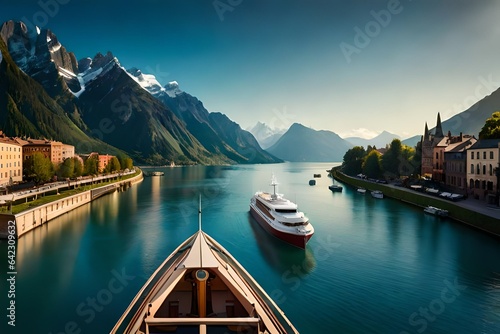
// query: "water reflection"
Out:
[280,256]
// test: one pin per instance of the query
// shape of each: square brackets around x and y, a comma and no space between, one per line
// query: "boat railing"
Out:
[151,284]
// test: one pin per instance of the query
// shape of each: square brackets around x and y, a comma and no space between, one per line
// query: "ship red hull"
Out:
[293,239]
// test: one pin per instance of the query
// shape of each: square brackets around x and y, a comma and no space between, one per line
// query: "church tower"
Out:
[439,128]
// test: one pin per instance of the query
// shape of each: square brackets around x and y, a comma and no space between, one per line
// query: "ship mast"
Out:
[274,183]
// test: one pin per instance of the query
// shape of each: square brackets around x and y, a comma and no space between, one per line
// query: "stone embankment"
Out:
[470,211]
[30,219]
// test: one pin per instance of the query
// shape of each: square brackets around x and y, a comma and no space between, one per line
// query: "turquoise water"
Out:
[373,266]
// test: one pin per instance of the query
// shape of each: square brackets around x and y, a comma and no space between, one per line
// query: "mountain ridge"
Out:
[303,144]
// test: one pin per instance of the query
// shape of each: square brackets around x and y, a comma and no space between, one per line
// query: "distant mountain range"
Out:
[265,135]
[95,104]
[379,141]
[301,143]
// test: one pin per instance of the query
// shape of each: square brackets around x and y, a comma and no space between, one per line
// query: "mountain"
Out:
[379,141]
[26,109]
[97,104]
[215,131]
[469,121]
[300,143]
[265,135]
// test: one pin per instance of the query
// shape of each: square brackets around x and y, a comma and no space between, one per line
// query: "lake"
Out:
[373,266]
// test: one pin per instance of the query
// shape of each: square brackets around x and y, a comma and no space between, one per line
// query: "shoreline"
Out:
[31,218]
[459,213]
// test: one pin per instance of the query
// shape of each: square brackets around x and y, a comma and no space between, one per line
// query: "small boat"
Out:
[154,173]
[312,182]
[377,194]
[281,217]
[317,175]
[361,190]
[335,188]
[201,288]
[436,211]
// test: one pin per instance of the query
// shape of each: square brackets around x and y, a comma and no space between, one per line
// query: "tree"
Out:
[491,129]
[125,161]
[390,159]
[67,168]
[78,169]
[39,168]
[353,160]
[113,165]
[372,166]
[91,165]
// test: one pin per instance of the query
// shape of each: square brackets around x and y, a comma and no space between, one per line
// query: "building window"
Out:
[491,154]
[472,168]
[472,155]
[477,155]
[478,170]
[491,170]
[484,169]
[484,154]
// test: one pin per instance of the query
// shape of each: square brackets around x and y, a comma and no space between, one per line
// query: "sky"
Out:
[356,67]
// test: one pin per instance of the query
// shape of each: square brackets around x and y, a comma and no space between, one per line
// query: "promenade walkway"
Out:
[27,193]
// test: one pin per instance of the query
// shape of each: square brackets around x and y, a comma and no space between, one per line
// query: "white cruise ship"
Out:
[281,217]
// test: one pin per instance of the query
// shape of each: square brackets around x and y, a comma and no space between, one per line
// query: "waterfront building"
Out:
[104,160]
[52,150]
[68,151]
[11,168]
[455,160]
[483,169]
[430,161]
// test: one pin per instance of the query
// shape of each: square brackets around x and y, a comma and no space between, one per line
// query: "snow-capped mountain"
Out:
[265,135]
[39,54]
[127,109]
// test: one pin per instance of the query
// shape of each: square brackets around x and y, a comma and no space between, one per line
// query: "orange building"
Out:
[53,150]
[11,169]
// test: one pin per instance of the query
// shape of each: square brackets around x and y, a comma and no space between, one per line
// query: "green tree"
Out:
[371,165]
[113,165]
[39,168]
[491,129]
[67,168]
[78,168]
[390,159]
[353,160]
[125,161]
[91,165]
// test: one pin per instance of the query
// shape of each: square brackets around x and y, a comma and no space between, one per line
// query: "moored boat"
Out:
[201,288]
[312,182]
[377,194]
[281,217]
[335,188]
[361,190]
[436,211]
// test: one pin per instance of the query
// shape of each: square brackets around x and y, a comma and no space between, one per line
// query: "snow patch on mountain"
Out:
[172,89]
[147,81]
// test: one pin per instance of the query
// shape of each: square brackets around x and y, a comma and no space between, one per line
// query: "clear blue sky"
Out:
[352,67]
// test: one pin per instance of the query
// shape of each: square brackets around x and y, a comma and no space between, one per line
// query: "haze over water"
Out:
[373,266]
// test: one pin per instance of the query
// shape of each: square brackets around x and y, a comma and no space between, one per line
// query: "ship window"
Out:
[286,210]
